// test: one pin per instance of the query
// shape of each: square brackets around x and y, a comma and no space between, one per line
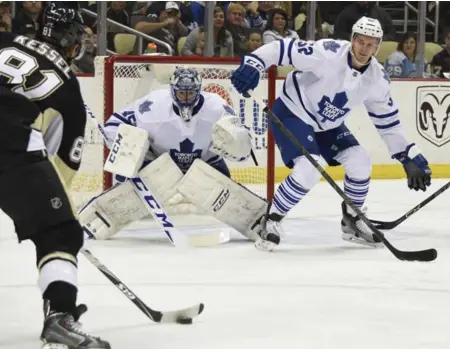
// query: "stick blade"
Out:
[176,315]
[383,225]
[417,256]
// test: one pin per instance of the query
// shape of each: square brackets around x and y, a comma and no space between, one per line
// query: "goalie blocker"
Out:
[203,187]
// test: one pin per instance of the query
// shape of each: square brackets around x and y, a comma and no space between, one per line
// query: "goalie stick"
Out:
[182,316]
[159,215]
[392,224]
[422,256]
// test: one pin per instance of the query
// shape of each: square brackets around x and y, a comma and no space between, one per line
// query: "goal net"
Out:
[120,80]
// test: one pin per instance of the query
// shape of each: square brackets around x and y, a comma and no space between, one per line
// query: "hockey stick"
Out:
[159,215]
[392,224]
[182,316]
[423,256]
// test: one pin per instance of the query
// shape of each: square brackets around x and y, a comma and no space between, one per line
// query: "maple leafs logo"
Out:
[186,155]
[331,46]
[145,106]
[333,109]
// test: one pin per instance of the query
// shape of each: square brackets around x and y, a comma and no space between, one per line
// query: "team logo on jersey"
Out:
[186,155]
[333,109]
[331,46]
[145,106]
[432,114]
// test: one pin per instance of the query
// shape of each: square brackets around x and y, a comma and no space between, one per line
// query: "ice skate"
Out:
[355,230]
[61,331]
[269,236]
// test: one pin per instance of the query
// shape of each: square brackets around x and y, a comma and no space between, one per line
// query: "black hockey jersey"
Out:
[34,70]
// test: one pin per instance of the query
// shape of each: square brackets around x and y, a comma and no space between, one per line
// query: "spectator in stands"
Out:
[277,27]
[5,16]
[198,12]
[143,8]
[166,26]
[223,42]
[354,11]
[116,12]
[402,62]
[84,62]
[255,40]
[441,61]
[25,21]
[236,26]
[302,29]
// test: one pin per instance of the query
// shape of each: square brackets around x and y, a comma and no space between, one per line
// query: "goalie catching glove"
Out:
[231,139]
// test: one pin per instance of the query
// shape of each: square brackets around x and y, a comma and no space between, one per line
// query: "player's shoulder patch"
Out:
[145,106]
[331,45]
[379,72]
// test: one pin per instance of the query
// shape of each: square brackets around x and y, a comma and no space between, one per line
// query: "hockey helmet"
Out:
[185,85]
[62,28]
[369,27]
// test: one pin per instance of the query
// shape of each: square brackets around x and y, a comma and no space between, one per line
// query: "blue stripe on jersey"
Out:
[297,88]
[112,124]
[280,60]
[392,124]
[382,116]
[289,51]
[285,92]
[259,59]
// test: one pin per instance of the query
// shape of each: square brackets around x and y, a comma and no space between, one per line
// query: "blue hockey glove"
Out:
[416,167]
[246,77]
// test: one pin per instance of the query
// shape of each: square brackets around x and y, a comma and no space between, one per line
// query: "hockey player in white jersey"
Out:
[187,135]
[330,79]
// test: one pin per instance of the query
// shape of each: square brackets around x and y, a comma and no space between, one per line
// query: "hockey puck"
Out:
[184,321]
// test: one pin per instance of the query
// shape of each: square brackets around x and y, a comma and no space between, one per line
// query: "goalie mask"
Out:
[186,86]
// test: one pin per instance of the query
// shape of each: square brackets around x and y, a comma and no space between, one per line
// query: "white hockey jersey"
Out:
[324,88]
[184,141]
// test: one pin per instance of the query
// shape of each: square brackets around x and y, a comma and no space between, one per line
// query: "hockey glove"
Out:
[416,167]
[246,77]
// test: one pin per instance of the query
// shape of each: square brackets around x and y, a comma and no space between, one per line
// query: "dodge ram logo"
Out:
[432,114]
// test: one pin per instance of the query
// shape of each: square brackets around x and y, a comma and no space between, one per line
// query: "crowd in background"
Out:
[240,28]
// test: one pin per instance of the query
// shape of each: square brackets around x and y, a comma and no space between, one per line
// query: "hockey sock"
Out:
[356,190]
[58,284]
[288,194]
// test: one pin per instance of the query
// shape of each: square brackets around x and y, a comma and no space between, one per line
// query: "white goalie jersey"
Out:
[168,133]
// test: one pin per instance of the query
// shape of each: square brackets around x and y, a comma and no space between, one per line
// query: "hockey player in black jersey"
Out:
[35,76]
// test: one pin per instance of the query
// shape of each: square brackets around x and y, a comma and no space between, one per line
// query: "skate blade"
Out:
[54,346]
[60,346]
[360,241]
[265,245]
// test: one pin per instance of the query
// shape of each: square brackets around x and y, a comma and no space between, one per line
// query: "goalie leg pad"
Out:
[223,198]
[114,209]
[111,211]
[161,176]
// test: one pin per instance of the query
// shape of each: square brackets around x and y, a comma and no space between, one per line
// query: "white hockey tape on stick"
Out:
[156,210]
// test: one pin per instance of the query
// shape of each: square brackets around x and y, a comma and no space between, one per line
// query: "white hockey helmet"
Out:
[370,27]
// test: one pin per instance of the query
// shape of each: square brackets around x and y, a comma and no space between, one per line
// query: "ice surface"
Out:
[315,291]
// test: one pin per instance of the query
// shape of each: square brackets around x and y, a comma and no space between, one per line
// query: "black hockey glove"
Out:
[416,168]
